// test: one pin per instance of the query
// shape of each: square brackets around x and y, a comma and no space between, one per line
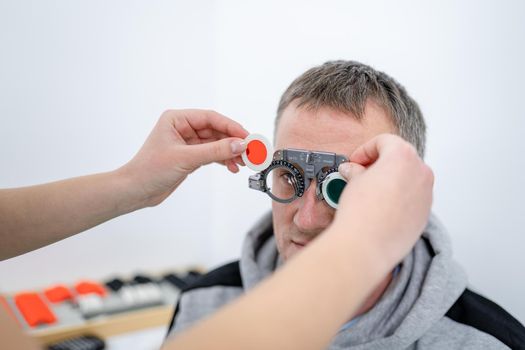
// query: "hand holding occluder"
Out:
[180,142]
[388,197]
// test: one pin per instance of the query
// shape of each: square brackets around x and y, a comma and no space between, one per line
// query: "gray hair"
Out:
[346,85]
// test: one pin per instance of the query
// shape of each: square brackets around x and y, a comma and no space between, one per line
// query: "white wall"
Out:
[82,84]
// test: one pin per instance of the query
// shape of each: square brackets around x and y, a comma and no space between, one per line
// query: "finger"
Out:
[350,170]
[184,128]
[198,140]
[216,151]
[230,164]
[370,151]
[207,137]
[203,119]
[239,160]
[210,133]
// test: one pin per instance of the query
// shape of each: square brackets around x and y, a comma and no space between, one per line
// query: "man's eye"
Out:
[288,178]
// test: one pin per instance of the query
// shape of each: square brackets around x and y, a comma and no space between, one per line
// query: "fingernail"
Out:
[238,147]
[344,169]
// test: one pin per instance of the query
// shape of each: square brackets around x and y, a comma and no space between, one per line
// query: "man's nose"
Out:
[312,215]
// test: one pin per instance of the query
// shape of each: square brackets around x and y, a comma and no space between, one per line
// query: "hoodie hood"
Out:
[427,285]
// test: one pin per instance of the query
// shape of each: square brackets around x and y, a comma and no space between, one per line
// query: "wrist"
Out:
[131,194]
[366,253]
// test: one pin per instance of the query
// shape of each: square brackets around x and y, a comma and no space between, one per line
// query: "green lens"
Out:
[334,189]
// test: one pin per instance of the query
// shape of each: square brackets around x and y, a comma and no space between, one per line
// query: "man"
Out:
[423,303]
[181,142]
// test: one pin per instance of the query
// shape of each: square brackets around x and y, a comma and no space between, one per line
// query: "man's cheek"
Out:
[281,246]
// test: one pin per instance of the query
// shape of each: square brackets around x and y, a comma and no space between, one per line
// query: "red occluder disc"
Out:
[256,152]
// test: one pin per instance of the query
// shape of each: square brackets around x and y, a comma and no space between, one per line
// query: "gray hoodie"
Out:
[409,315]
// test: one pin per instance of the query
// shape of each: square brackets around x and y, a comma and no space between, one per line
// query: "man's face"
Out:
[299,222]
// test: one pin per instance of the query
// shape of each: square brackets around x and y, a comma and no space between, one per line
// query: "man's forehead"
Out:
[329,130]
[320,130]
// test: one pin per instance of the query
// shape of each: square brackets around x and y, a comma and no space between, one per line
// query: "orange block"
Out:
[58,294]
[88,287]
[34,310]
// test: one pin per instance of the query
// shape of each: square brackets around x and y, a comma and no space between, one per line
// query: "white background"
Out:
[83,82]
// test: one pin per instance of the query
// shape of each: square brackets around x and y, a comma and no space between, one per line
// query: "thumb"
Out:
[370,151]
[350,170]
[216,151]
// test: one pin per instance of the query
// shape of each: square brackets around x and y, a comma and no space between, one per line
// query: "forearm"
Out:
[32,217]
[301,306]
